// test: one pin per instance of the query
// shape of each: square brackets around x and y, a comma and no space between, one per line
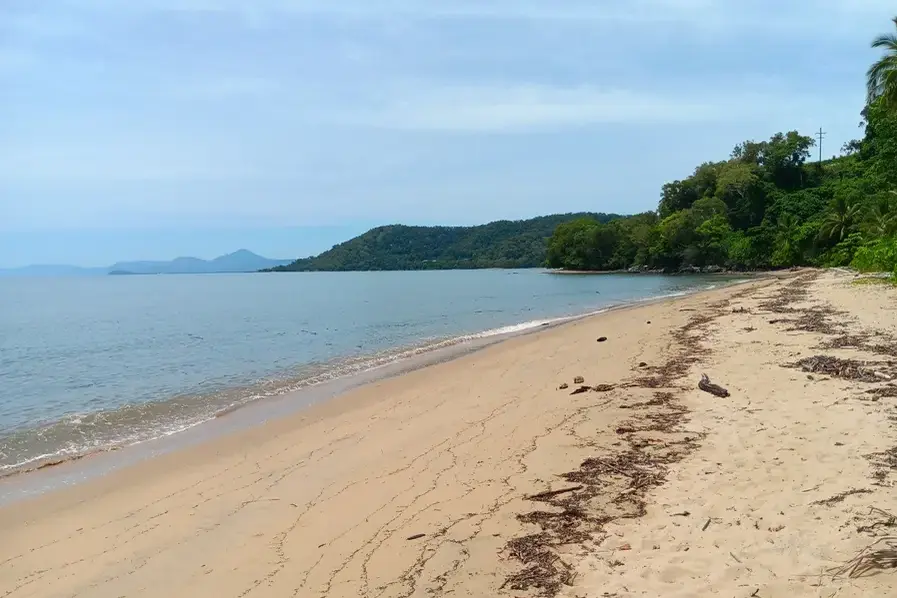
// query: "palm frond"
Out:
[887,41]
[889,91]
[877,75]
[881,80]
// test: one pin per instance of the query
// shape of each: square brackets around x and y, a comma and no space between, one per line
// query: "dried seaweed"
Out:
[543,569]
[624,477]
[889,391]
[862,342]
[879,556]
[794,292]
[828,502]
[848,369]
[818,320]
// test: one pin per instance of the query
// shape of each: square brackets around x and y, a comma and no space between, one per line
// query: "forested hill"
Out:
[502,244]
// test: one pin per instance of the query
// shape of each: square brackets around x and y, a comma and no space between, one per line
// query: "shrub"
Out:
[878,256]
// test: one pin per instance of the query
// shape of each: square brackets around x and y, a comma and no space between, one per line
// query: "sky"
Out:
[149,129]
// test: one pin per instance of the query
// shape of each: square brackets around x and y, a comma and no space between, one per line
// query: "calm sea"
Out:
[90,364]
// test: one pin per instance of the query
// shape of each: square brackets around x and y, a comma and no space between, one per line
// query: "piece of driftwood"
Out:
[416,537]
[707,386]
[553,493]
[599,388]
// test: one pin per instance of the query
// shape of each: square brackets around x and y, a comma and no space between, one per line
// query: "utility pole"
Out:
[821,135]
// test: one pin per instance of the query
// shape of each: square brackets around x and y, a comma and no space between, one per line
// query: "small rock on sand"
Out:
[579,380]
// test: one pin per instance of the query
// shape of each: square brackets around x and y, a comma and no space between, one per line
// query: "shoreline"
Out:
[753,274]
[357,405]
[462,477]
[46,473]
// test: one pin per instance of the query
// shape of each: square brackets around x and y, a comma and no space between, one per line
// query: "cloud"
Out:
[532,107]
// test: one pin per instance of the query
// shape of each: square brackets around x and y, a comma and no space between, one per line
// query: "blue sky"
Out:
[156,128]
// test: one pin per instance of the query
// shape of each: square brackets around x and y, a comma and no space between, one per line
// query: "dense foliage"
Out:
[767,206]
[502,244]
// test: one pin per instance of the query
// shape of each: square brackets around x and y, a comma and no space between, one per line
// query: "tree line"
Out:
[766,206]
[501,244]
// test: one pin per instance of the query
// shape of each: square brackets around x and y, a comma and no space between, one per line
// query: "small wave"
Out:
[517,328]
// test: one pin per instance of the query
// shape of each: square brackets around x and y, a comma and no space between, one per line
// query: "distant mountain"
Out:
[502,244]
[239,261]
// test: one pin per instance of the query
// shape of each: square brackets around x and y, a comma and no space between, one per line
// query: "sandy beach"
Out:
[490,475]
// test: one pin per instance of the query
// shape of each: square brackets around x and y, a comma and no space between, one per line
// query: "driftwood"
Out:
[713,389]
[599,388]
[553,493]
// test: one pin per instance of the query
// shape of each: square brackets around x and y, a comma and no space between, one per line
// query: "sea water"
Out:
[93,364]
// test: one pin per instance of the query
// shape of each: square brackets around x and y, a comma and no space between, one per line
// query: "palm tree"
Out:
[881,78]
[883,218]
[842,215]
[788,250]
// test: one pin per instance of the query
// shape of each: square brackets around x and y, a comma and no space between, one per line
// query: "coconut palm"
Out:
[841,218]
[788,249]
[881,78]
[882,218]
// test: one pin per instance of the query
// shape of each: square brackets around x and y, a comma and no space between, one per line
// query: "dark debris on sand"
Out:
[889,391]
[886,345]
[847,369]
[621,479]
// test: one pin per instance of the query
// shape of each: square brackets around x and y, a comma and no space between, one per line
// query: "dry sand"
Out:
[418,485]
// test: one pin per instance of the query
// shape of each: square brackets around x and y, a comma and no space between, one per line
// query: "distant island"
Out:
[501,244]
[238,261]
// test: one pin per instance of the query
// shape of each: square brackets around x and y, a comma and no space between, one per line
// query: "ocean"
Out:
[95,364]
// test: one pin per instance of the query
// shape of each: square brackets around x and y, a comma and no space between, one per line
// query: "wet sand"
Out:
[480,477]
